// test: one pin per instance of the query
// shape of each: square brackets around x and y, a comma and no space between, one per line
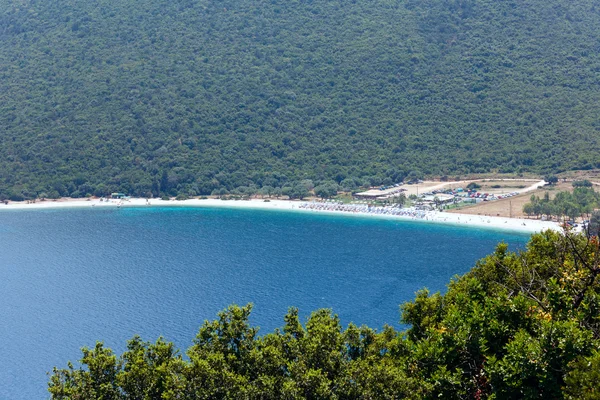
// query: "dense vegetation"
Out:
[516,326]
[581,202]
[187,97]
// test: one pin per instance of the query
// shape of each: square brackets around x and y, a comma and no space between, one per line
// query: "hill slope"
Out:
[188,96]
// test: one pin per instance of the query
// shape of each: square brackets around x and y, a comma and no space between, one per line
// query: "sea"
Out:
[72,277]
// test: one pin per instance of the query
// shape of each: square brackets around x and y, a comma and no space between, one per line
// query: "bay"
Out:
[70,277]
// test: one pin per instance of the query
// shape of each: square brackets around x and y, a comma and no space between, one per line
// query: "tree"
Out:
[97,381]
[582,380]
[551,179]
[149,369]
[513,325]
[326,190]
[298,191]
[164,183]
[414,176]
[349,184]
[594,224]
[583,183]
[266,191]
[400,199]
[528,209]
[308,184]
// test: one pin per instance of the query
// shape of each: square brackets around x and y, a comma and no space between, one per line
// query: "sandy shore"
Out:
[497,223]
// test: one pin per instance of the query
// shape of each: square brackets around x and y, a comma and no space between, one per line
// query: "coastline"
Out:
[456,219]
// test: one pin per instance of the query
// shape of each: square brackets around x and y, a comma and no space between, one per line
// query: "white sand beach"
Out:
[512,224]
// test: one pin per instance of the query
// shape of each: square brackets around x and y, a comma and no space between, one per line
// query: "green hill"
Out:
[189,96]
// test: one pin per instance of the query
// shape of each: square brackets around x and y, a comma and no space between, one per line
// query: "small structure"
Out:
[380,194]
[442,198]
[118,196]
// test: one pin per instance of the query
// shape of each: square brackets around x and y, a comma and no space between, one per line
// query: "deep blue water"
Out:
[71,277]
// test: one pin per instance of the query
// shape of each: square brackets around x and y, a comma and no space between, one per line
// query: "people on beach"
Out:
[366,208]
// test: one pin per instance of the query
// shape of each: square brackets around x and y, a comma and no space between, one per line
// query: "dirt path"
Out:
[445,185]
[535,186]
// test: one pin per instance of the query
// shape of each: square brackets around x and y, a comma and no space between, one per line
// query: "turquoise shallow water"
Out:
[71,277]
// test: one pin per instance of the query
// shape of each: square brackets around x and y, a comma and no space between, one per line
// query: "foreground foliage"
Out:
[516,326]
[157,97]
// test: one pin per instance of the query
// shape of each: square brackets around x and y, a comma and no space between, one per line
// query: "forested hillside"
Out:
[188,96]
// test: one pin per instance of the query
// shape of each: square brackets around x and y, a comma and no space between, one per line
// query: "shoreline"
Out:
[456,219]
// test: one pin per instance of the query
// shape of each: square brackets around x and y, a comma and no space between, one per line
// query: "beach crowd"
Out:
[366,209]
